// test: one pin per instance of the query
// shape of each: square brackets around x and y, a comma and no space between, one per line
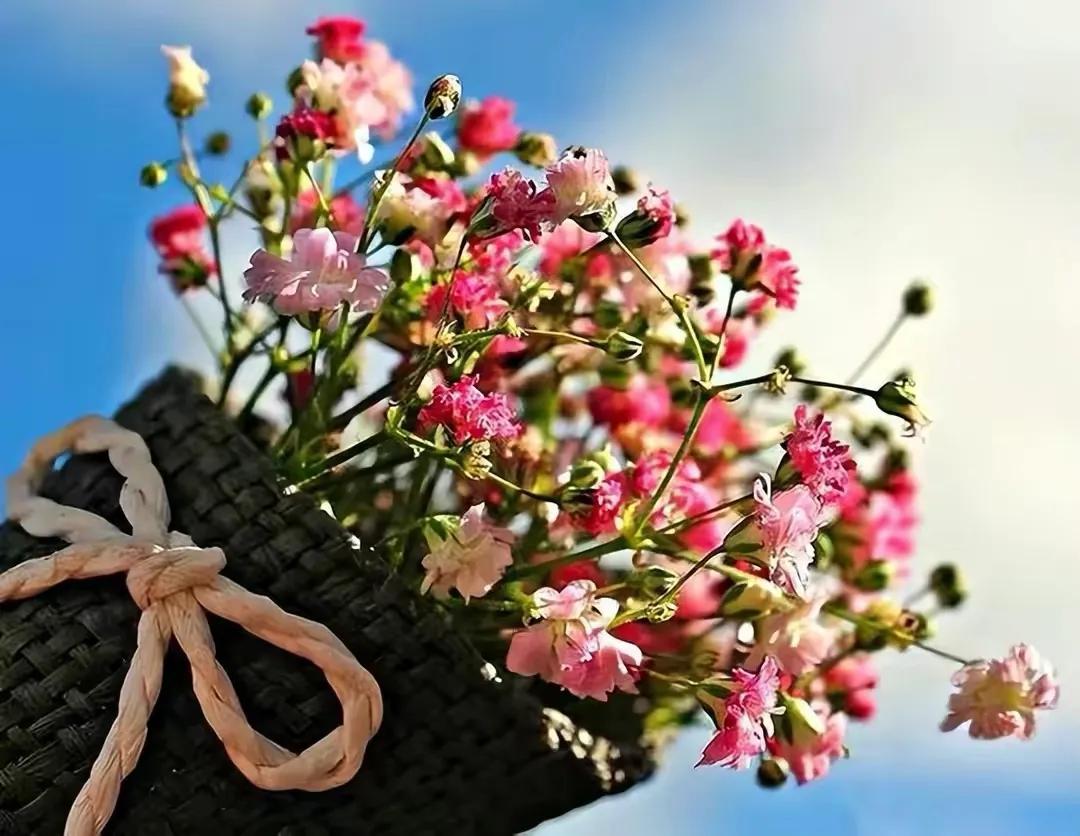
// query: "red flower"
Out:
[304,122]
[178,239]
[339,38]
[487,127]
[516,204]
[605,502]
[822,462]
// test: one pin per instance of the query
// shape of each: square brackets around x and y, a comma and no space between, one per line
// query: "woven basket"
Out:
[459,752]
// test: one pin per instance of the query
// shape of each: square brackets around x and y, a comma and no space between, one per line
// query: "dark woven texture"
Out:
[457,752]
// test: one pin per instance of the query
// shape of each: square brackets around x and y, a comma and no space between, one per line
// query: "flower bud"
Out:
[897,398]
[187,82]
[879,619]
[702,274]
[624,347]
[404,267]
[875,576]
[639,230]
[947,584]
[259,105]
[626,180]
[792,360]
[217,143]
[660,611]
[799,724]
[653,580]
[153,175]
[476,461]
[536,149]
[750,599]
[435,154]
[586,474]
[918,299]
[682,216]
[772,773]
[295,80]
[597,221]
[443,96]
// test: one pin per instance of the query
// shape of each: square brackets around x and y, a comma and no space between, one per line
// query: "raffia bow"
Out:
[173,581]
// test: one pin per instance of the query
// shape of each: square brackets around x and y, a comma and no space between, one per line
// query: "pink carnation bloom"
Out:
[470,560]
[516,204]
[339,37]
[822,462]
[571,646]
[796,639]
[854,679]
[784,526]
[177,237]
[487,127]
[659,208]
[606,501]
[645,400]
[743,253]
[474,297]
[581,183]
[813,758]
[565,242]
[322,273]
[469,414]
[999,697]
[744,719]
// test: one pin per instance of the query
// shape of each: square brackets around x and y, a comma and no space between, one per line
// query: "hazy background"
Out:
[877,141]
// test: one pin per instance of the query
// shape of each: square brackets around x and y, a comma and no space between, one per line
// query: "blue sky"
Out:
[877,141]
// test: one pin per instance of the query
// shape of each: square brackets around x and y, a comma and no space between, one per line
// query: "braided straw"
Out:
[173,581]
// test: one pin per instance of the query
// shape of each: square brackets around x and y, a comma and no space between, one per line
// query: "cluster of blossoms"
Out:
[510,368]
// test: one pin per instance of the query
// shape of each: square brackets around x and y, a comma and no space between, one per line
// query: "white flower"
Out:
[471,559]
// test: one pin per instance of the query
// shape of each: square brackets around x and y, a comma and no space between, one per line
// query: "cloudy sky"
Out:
[877,141]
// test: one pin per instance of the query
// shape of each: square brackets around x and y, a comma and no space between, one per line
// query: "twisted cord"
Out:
[174,583]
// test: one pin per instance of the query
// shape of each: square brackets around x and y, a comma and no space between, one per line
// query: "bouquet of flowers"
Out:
[519,384]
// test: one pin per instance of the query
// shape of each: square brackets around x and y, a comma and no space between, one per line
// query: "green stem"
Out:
[700,403]
[845,614]
[330,462]
[324,207]
[843,387]
[588,553]
[506,483]
[200,326]
[679,525]
[249,407]
[723,329]
[680,308]
[373,210]
[875,352]
[340,422]
[242,354]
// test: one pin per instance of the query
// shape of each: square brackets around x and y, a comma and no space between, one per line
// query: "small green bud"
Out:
[653,580]
[824,551]
[219,192]
[702,274]
[153,175]
[772,773]
[597,221]
[626,180]
[947,584]
[259,105]
[587,474]
[918,299]
[875,576]
[218,143]
[536,149]
[791,359]
[443,96]
[660,611]
[624,347]
[404,267]
[294,80]
[682,216]
[897,397]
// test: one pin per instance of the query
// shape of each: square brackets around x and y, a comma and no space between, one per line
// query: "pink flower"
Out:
[744,718]
[471,559]
[853,680]
[784,526]
[721,428]
[475,297]
[743,253]
[487,127]
[515,204]
[999,697]
[796,639]
[177,237]
[469,414]
[822,462]
[347,216]
[605,501]
[322,273]
[645,400]
[339,38]
[813,758]
[424,207]
[564,243]
[581,183]
[571,646]
[659,208]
